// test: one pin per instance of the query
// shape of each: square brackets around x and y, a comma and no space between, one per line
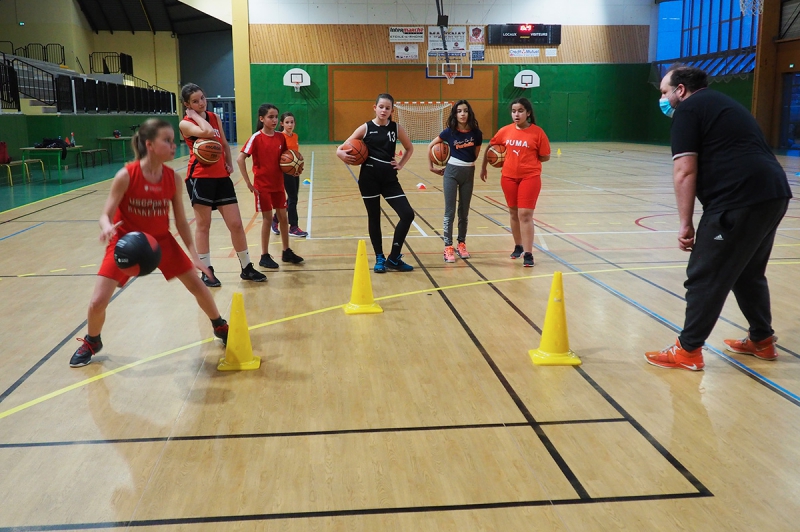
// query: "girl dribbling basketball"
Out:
[210,186]
[378,177]
[464,138]
[527,147]
[139,200]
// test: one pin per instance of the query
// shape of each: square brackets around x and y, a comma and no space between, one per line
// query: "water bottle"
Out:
[72,138]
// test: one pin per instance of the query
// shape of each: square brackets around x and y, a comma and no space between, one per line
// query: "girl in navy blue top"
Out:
[464,138]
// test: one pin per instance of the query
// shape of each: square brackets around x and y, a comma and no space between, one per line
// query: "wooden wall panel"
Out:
[352,90]
[412,85]
[358,84]
[348,115]
[481,86]
[369,44]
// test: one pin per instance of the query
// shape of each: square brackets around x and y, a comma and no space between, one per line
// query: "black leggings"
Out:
[292,185]
[403,209]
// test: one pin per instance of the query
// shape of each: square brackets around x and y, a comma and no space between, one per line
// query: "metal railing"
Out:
[135,82]
[110,63]
[34,82]
[50,53]
[78,94]
[9,90]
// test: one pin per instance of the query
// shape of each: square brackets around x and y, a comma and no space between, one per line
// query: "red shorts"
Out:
[266,201]
[174,261]
[521,192]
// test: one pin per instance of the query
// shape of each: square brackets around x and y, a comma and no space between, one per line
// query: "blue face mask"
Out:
[666,108]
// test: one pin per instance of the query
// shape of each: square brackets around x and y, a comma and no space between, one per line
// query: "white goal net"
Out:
[423,121]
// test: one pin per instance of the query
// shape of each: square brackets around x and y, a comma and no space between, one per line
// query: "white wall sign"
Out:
[406,51]
[407,34]
[523,52]
[455,36]
[550,52]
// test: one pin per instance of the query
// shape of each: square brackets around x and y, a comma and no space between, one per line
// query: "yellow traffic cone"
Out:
[361,300]
[239,350]
[558,153]
[554,349]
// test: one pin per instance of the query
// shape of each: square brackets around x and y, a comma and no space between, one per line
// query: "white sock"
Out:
[205,258]
[244,258]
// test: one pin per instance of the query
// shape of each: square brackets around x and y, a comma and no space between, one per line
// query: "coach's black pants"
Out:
[731,251]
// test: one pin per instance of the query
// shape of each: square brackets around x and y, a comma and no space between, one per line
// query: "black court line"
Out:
[53,351]
[551,449]
[350,513]
[265,435]
[45,208]
[627,417]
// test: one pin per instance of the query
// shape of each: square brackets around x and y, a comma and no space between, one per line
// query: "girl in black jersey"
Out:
[378,177]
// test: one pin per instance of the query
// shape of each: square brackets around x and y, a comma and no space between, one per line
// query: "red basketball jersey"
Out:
[145,206]
[266,152]
[196,168]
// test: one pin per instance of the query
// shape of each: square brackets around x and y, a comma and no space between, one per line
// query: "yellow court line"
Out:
[88,265]
[59,270]
[97,378]
[76,385]
[26,274]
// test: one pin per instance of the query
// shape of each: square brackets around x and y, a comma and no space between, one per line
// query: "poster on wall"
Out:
[523,52]
[476,34]
[406,51]
[477,52]
[406,33]
[454,36]
[550,52]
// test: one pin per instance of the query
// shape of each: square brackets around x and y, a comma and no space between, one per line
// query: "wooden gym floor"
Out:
[429,416]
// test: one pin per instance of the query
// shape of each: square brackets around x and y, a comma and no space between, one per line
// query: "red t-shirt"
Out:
[196,168]
[145,206]
[266,152]
[523,148]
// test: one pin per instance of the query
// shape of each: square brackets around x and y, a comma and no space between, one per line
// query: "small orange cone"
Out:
[238,350]
[421,186]
[361,300]
[554,349]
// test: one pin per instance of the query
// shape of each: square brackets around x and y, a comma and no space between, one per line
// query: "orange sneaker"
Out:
[462,250]
[765,349]
[449,254]
[675,356]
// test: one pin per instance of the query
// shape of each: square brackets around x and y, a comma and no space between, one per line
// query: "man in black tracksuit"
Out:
[721,156]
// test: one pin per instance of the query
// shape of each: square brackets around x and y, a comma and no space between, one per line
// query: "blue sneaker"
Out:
[380,263]
[398,264]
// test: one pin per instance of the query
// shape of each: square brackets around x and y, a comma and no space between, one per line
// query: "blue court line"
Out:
[794,398]
[18,232]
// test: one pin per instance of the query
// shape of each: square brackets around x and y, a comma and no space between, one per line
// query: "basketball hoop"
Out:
[751,7]
[296,86]
[451,77]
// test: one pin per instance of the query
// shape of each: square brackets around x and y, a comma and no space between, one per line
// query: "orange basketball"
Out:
[440,153]
[496,155]
[292,162]
[207,151]
[357,148]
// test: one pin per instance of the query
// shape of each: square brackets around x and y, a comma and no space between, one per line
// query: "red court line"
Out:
[638,220]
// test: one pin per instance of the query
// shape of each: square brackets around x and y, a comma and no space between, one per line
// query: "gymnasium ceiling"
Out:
[148,15]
